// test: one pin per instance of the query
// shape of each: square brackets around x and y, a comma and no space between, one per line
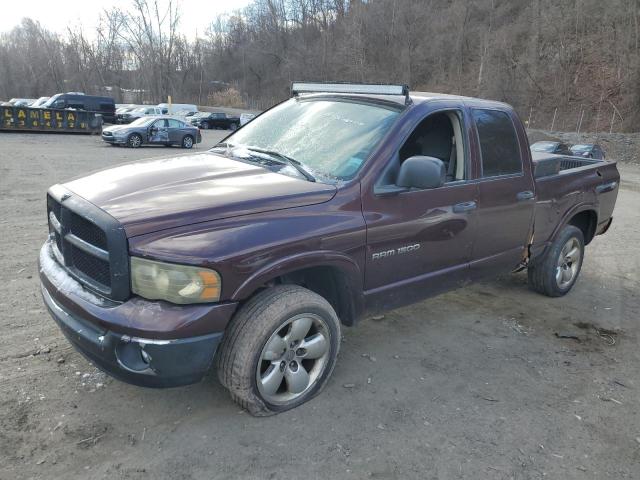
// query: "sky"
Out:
[196,15]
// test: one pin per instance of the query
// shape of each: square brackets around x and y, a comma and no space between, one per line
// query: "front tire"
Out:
[279,350]
[134,140]
[557,272]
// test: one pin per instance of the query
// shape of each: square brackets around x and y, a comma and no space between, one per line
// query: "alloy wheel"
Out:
[293,359]
[568,263]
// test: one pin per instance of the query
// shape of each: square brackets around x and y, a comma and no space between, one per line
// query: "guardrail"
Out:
[49,120]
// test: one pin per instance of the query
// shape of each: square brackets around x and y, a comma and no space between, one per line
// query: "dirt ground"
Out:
[472,384]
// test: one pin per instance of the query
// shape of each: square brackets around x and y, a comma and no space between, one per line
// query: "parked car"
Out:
[138,112]
[181,109]
[21,102]
[588,150]
[39,102]
[105,106]
[557,148]
[218,120]
[246,118]
[153,131]
[323,210]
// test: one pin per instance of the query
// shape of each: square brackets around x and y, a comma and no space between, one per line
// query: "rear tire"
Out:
[233,127]
[557,272]
[187,141]
[279,350]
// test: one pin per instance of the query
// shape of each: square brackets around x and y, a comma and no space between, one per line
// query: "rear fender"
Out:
[538,252]
[572,212]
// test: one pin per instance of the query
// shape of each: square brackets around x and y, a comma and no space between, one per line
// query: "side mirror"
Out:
[422,172]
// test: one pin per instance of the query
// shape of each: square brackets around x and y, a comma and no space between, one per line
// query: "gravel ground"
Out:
[472,384]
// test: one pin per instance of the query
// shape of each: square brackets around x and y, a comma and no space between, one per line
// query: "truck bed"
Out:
[565,184]
[546,164]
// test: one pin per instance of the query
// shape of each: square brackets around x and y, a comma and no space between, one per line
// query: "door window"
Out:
[175,123]
[499,147]
[439,136]
[160,124]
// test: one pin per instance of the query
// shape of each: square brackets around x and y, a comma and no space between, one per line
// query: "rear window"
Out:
[498,143]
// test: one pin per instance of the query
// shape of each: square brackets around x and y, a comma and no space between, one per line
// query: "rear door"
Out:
[176,130]
[506,192]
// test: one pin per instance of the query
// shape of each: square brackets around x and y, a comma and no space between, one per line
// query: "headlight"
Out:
[174,283]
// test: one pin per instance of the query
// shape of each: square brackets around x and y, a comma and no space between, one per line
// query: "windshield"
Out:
[49,102]
[543,147]
[142,121]
[40,101]
[581,148]
[329,138]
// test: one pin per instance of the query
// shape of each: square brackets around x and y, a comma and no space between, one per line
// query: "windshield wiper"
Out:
[280,157]
[285,159]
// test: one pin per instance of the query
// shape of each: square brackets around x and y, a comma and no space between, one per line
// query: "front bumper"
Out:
[165,357]
[113,139]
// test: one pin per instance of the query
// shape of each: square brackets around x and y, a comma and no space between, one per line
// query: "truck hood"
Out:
[159,194]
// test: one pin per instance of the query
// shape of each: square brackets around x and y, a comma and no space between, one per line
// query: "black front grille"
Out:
[58,239]
[92,245]
[93,267]
[83,263]
[53,206]
[87,231]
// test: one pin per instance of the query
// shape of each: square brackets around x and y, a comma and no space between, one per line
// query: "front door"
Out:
[420,242]
[159,132]
[506,188]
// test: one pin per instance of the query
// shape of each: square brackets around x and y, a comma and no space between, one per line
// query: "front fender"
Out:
[320,258]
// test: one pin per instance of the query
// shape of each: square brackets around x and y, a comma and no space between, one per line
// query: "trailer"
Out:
[49,120]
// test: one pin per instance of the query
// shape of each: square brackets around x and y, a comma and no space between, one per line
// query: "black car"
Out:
[105,106]
[153,131]
[207,120]
[557,148]
[588,150]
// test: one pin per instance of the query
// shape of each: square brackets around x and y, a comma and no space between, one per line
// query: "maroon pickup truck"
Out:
[343,201]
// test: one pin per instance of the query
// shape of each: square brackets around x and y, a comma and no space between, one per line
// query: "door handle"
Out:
[464,207]
[526,195]
[607,187]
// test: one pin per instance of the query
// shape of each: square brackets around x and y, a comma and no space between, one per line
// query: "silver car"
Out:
[153,131]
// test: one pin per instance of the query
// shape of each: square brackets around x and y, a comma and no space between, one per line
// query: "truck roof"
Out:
[418,97]
[415,98]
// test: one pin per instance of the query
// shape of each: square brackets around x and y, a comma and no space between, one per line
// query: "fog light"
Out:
[132,356]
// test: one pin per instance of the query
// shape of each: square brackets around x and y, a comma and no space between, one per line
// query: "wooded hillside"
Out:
[575,60]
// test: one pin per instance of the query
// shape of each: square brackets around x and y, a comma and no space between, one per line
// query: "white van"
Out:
[182,109]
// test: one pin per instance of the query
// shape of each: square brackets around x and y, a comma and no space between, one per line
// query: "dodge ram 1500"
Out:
[345,200]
